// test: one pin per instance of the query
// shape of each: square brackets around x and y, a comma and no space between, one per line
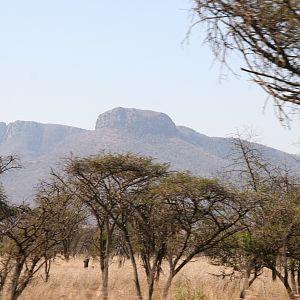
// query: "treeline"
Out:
[131,207]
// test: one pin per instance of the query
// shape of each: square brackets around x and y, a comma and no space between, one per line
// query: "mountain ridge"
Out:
[120,130]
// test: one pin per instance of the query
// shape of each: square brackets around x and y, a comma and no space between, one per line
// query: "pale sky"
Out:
[67,61]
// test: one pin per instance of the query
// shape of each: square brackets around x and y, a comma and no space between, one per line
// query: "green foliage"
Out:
[142,211]
[184,291]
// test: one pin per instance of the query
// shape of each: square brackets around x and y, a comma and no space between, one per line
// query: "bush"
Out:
[184,291]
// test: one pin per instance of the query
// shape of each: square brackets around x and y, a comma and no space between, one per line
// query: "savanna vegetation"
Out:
[157,222]
[134,210]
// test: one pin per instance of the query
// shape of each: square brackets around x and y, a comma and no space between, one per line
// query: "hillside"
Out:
[40,146]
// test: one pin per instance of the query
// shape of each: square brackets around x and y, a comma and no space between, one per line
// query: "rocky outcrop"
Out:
[137,121]
[2,131]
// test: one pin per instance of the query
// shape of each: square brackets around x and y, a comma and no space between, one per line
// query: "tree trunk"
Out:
[47,269]
[150,281]
[168,285]
[104,259]
[285,282]
[104,285]
[133,264]
[15,280]
[66,249]
[286,276]
[2,282]
[293,279]
[298,280]
[136,277]
[246,285]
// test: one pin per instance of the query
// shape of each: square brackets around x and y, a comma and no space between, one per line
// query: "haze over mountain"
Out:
[40,146]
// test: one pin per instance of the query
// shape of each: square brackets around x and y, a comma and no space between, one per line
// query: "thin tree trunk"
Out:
[104,286]
[286,276]
[66,249]
[3,278]
[293,279]
[298,280]
[15,279]
[168,285]
[150,281]
[104,261]
[246,284]
[134,266]
[47,269]
[136,276]
[285,282]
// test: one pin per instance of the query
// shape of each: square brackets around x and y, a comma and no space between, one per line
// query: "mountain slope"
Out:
[40,146]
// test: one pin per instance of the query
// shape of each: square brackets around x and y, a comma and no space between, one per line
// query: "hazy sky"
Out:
[66,61]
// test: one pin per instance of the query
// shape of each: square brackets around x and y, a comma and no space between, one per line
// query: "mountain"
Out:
[41,146]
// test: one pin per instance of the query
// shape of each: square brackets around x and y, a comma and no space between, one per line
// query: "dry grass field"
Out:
[70,281]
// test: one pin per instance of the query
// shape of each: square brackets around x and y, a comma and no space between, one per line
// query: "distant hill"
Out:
[40,146]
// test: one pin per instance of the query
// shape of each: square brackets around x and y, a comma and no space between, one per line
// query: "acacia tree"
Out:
[202,214]
[271,226]
[264,243]
[68,212]
[151,228]
[285,226]
[293,250]
[160,216]
[108,184]
[29,244]
[179,218]
[31,237]
[267,35]
[7,221]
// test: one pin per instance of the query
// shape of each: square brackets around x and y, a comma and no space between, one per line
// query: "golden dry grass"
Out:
[70,281]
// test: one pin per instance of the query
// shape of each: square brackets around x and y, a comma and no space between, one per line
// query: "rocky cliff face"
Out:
[137,121]
[40,146]
[2,131]
[31,139]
